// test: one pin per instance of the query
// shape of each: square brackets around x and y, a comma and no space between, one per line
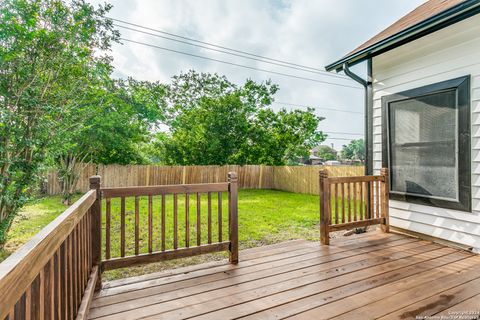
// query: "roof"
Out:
[426,18]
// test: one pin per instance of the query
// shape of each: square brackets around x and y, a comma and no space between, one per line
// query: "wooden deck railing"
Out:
[55,274]
[171,223]
[352,202]
[52,276]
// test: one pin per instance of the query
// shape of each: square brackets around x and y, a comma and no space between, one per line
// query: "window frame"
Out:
[461,86]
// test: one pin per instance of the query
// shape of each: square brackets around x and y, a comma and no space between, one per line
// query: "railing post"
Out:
[96,212]
[385,197]
[233,215]
[324,206]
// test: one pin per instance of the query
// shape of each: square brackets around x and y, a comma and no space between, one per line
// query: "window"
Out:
[426,144]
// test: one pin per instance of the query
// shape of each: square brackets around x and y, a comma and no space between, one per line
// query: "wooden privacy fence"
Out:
[352,202]
[299,179]
[54,275]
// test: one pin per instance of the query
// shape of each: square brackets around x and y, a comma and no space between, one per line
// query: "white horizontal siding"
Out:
[446,54]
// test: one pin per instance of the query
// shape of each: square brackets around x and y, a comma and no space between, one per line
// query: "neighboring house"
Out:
[423,117]
[311,160]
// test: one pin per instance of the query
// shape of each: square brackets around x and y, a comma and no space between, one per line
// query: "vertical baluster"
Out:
[209,218]
[75,267]
[372,208]
[63,296]
[187,220]
[175,222]
[150,224]
[366,207]
[354,201]
[349,202]
[163,222]
[335,194]
[85,244]
[81,256]
[385,199]
[50,289]
[343,202]
[70,276]
[34,306]
[199,223]
[377,199]
[21,306]
[107,227]
[57,284]
[219,198]
[137,225]
[362,203]
[122,227]
[81,285]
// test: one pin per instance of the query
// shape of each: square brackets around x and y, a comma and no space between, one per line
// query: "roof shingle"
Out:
[419,14]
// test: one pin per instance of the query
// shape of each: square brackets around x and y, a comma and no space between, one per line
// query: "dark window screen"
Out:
[426,144]
[423,145]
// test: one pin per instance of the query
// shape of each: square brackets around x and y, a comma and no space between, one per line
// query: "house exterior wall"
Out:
[446,54]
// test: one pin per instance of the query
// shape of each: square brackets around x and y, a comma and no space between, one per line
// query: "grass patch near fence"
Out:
[265,217]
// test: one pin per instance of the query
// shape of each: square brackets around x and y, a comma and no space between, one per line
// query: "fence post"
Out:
[324,205]
[385,197]
[233,215]
[96,212]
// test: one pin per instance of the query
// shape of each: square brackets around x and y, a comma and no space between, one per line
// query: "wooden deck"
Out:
[368,276]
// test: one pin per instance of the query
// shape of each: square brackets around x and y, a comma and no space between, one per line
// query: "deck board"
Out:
[365,276]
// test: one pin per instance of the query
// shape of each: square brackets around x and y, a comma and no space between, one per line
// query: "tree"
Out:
[212,121]
[355,150]
[326,153]
[50,54]
[111,127]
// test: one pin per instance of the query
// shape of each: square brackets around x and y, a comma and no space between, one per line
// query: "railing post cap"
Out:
[95,182]
[95,179]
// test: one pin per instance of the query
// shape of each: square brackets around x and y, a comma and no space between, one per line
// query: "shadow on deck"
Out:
[373,275]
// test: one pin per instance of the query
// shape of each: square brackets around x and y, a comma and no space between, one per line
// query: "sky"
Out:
[311,33]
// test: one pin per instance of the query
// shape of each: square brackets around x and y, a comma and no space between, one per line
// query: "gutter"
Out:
[443,19]
[367,84]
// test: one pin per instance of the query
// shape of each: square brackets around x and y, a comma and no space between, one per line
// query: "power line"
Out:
[229,49]
[314,107]
[346,139]
[347,133]
[235,54]
[238,65]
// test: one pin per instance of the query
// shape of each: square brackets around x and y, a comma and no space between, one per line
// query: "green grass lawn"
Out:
[265,217]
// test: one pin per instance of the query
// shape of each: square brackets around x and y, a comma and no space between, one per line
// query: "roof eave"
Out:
[432,24]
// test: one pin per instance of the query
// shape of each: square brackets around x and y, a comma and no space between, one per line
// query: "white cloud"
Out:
[307,32]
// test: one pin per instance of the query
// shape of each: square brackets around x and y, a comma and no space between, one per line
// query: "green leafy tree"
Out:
[111,128]
[50,54]
[355,150]
[326,153]
[278,138]
[212,121]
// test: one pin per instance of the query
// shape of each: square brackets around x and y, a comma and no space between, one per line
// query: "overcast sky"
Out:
[307,32]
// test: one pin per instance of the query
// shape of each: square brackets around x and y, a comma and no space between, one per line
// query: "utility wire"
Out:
[314,107]
[347,133]
[347,139]
[237,55]
[230,49]
[239,65]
